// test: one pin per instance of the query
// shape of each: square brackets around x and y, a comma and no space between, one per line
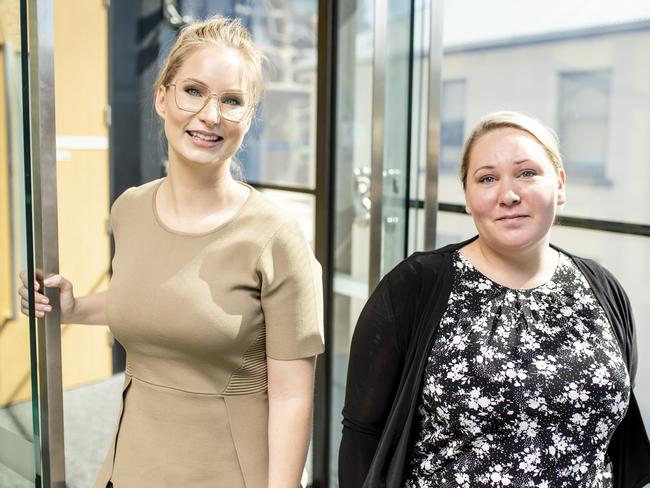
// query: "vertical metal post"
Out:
[377,158]
[325,178]
[433,124]
[46,248]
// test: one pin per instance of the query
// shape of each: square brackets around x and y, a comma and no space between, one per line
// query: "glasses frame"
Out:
[217,96]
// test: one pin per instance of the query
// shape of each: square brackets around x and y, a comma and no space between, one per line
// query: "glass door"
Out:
[19,416]
[375,142]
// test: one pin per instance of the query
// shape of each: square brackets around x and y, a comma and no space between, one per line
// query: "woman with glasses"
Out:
[500,361]
[215,294]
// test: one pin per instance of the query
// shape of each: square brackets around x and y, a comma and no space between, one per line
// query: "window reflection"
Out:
[583,126]
[281,144]
[585,75]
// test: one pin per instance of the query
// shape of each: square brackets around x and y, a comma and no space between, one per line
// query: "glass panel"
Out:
[18,409]
[280,147]
[397,133]
[584,73]
[353,162]
[352,197]
[91,396]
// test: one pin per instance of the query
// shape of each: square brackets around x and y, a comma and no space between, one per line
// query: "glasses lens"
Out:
[234,105]
[190,96]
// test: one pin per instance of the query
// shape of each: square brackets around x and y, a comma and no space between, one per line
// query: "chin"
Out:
[202,158]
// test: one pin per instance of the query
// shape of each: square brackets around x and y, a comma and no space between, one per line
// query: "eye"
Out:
[528,173]
[192,91]
[487,179]
[231,99]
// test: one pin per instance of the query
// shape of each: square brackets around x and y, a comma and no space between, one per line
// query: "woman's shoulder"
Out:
[270,217]
[431,261]
[593,271]
[424,269]
[135,194]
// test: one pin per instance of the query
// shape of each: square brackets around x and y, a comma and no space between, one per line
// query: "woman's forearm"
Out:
[290,422]
[89,310]
[291,393]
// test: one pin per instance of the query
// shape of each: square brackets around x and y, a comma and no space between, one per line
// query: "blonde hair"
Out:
[221,31]
[506,119]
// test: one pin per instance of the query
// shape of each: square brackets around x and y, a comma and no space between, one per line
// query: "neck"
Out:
[522,268]
[199,188]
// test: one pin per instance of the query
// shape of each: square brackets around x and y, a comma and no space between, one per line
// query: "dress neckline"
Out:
[247,203]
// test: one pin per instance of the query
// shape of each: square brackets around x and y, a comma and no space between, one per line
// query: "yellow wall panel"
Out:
[5,234]
[81,67]
[84,257]
[81,84]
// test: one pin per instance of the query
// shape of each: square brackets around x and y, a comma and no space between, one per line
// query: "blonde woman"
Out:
[502,360]
[215,295]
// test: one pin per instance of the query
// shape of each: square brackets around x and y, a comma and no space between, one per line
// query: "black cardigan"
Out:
[389,351]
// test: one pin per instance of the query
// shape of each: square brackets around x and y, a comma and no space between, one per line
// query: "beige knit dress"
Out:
[198,314]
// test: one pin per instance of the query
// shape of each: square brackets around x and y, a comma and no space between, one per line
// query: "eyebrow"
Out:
[197,81]
[491,166]
[194,80]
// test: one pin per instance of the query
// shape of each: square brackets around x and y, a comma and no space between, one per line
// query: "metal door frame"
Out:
[37,54]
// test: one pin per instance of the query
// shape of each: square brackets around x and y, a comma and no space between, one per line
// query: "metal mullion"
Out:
[29,237]
[433,124]
[46,255]
[380,28]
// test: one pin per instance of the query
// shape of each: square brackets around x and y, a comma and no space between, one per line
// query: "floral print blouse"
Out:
[522,388]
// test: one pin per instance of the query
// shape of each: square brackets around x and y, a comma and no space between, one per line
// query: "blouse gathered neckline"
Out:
[541,286]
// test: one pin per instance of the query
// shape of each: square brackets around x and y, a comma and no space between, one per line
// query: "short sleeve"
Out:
[116,210]
[291,296]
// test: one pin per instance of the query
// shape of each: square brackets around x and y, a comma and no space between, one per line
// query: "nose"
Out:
[210,113]
[509,195]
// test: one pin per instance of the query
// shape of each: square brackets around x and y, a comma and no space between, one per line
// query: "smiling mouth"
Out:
[204,137]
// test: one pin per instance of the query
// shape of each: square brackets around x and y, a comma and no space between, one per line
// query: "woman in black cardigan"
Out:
[502,360]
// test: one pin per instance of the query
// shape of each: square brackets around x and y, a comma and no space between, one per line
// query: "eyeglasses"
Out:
[192,96]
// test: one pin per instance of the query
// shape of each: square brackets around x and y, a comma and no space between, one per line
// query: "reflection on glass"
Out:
[352,196]
[353,171]
[18,414]
[583,112]
[280,147]
[584,73]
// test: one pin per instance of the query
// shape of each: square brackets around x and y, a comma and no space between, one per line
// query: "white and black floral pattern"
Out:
[523,388]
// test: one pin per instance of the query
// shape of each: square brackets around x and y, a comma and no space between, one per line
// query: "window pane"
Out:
[281,143]
[583,72]
[583,110]
[452,129]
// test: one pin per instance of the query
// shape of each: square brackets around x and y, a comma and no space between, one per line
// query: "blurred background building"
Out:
[360,133]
